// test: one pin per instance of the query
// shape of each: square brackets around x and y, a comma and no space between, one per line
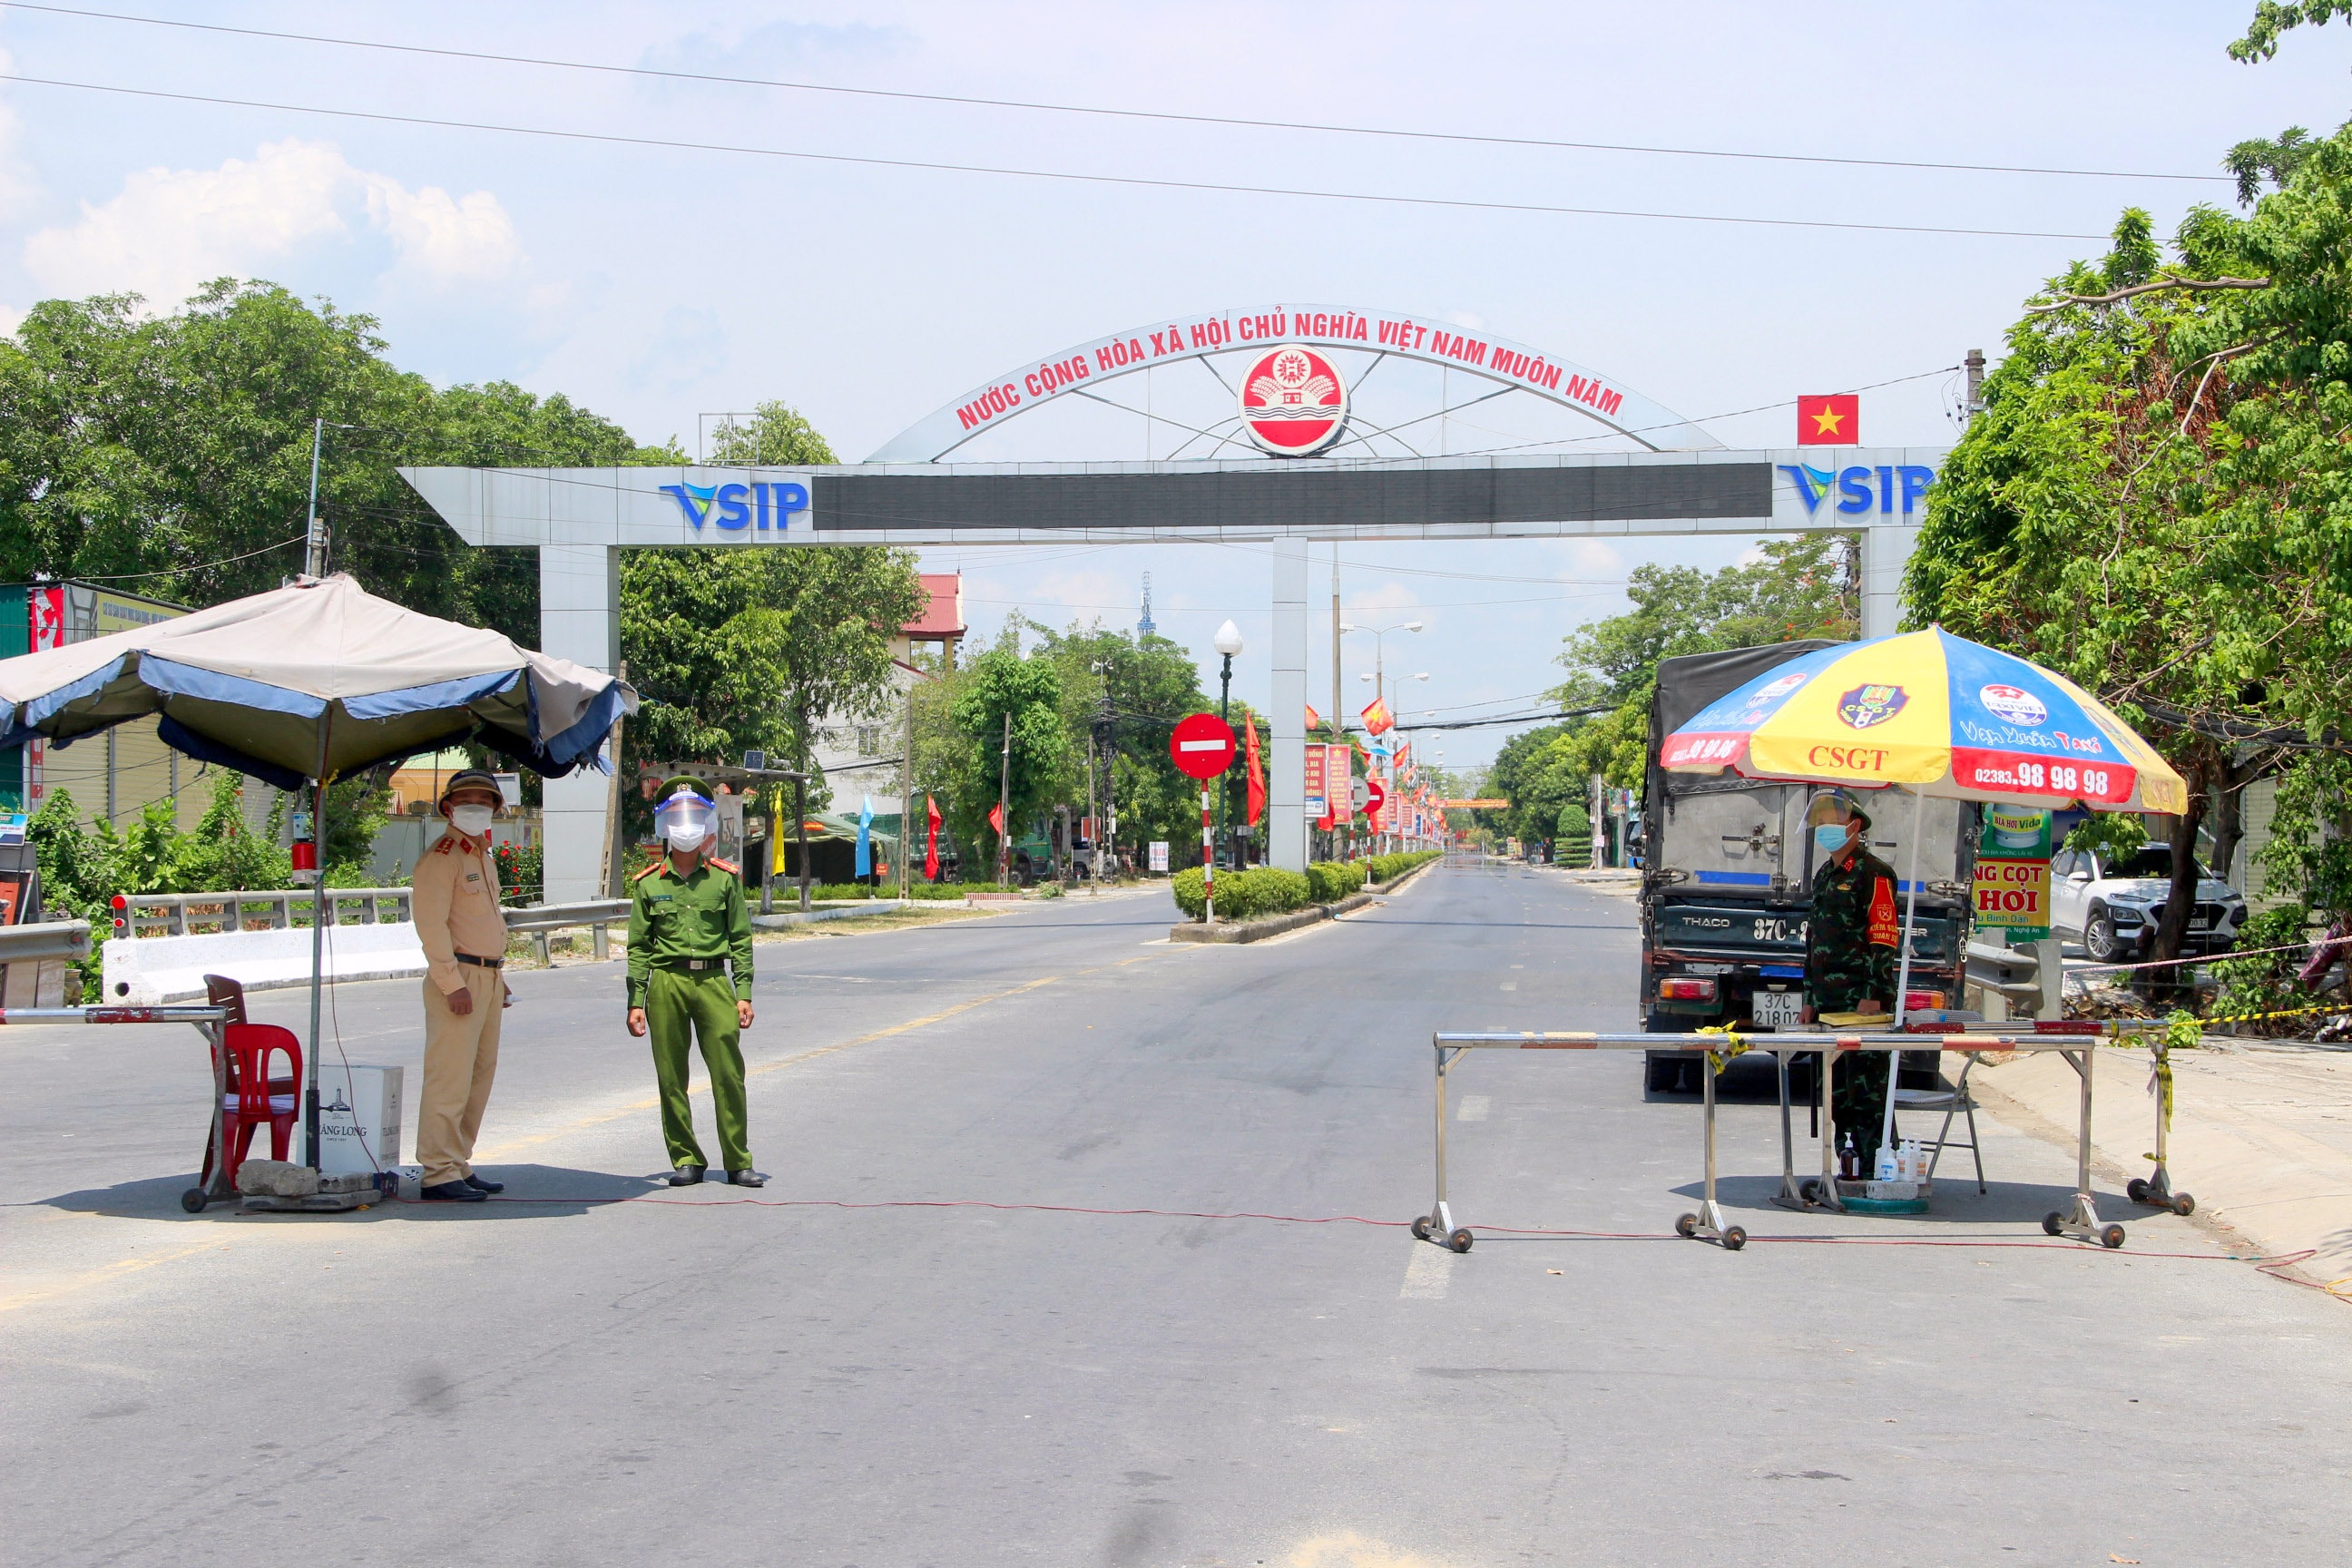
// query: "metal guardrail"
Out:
[598,914]
[2029,978]
[50,939]
[188,914]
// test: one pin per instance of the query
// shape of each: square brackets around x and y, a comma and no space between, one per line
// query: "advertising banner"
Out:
[2011,891]
[1317,803]
[1159,848]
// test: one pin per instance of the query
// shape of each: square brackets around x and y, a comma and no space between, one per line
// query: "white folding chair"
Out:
[1953,1102]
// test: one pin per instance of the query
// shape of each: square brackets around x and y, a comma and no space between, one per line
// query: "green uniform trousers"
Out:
[679,1008]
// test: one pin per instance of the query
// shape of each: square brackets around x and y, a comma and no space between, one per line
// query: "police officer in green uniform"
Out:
[689,926]
[1850,956]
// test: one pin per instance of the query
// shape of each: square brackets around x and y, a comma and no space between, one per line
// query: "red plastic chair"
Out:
[251,1095]
[255,1095]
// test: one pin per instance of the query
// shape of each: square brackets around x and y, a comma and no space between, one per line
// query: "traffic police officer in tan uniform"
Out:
[688,927]
[454,899]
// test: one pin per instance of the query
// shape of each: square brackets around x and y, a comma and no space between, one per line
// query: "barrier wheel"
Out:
[2135,1190]
[2052,1222]
[1734,1239]
[1421,1227]
[2183,1204]
[1687,1225]
[2111,1237]
[193,1200]
[1460,1240]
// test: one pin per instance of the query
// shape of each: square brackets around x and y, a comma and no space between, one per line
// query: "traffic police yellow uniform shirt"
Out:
[684,935]
[453,896]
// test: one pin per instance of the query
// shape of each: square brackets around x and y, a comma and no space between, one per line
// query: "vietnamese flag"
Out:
[1832,419]
[931,852]
[1314,720]
[996,818]
[1376,717]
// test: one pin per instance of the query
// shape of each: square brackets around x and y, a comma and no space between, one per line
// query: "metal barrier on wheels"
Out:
[2076,1045]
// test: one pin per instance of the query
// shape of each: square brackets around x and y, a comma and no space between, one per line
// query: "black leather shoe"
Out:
[747,1179]
[451,1193]
[686,1176]
[480,1186]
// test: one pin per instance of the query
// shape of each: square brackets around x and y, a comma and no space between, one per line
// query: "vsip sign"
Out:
[759,507]
[1887,488]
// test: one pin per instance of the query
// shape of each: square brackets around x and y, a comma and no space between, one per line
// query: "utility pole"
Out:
[1110,834]
[1974,364]
[1004,807]
[314,558]
[1094,883]
[907,796]
[1343,810]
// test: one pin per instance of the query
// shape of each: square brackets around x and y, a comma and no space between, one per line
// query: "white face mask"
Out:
[686,840]
[473,821]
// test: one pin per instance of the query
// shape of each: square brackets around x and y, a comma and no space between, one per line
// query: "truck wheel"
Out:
[1663,1074]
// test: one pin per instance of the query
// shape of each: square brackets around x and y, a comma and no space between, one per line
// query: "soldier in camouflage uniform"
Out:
[1851,957]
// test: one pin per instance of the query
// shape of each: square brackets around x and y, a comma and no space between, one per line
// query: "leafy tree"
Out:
[173,453]
[1005,697]
[778,436]
[1800,587]
[2152,500]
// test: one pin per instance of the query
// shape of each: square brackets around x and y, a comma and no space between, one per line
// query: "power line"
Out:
[178,571]
[1317,127]
[1455,204]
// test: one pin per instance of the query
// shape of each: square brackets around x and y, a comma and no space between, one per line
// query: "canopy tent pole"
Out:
[317,938]
[1903,974]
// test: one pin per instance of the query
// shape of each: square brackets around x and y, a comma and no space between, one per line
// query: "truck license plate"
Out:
[1777,1009]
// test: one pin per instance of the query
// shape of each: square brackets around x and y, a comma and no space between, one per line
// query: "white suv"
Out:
[2113,906]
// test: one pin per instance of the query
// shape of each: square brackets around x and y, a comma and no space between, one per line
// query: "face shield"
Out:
[1834,820]
[685,819]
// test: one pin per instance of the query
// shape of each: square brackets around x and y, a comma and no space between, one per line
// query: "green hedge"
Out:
[1331,880]
[1243,895]
[839,891]
[1389,867]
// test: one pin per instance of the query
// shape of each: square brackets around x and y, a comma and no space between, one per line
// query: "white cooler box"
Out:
[358,1117]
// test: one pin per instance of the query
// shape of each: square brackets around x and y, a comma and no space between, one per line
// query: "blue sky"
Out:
[658,285]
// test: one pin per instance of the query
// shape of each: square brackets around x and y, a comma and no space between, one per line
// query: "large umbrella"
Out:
[314,682]
[1940,715]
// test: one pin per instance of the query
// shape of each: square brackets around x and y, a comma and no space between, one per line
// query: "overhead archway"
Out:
[1376,335]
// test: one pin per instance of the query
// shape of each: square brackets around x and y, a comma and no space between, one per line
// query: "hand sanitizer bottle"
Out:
[1884,1167]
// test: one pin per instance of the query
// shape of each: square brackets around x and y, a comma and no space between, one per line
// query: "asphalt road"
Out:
[560,1379]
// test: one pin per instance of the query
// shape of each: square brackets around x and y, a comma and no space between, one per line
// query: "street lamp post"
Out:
[1228,642]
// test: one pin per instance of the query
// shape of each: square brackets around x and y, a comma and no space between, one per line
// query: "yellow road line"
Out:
[702,1085]
[99,1276]
[89,1279]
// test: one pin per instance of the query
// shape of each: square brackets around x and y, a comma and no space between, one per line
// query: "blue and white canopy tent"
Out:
[314,682]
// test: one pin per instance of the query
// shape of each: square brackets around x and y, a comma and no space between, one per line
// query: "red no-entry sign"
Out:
[1374,796]
[1201,746]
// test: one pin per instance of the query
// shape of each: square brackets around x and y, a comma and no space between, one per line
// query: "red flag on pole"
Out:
[1256,767]
[931,852]
[1314,720]
[1376,717]
[996,818]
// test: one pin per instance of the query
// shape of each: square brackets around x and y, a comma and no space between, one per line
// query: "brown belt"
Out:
[480,962]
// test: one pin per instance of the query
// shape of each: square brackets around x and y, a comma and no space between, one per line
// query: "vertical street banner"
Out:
[1317,803]
[1158,851]
[2011,890]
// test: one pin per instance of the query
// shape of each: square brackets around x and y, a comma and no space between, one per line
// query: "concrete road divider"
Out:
[150,971]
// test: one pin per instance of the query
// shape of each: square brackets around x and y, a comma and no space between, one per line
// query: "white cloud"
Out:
[10,319]
[172,230]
